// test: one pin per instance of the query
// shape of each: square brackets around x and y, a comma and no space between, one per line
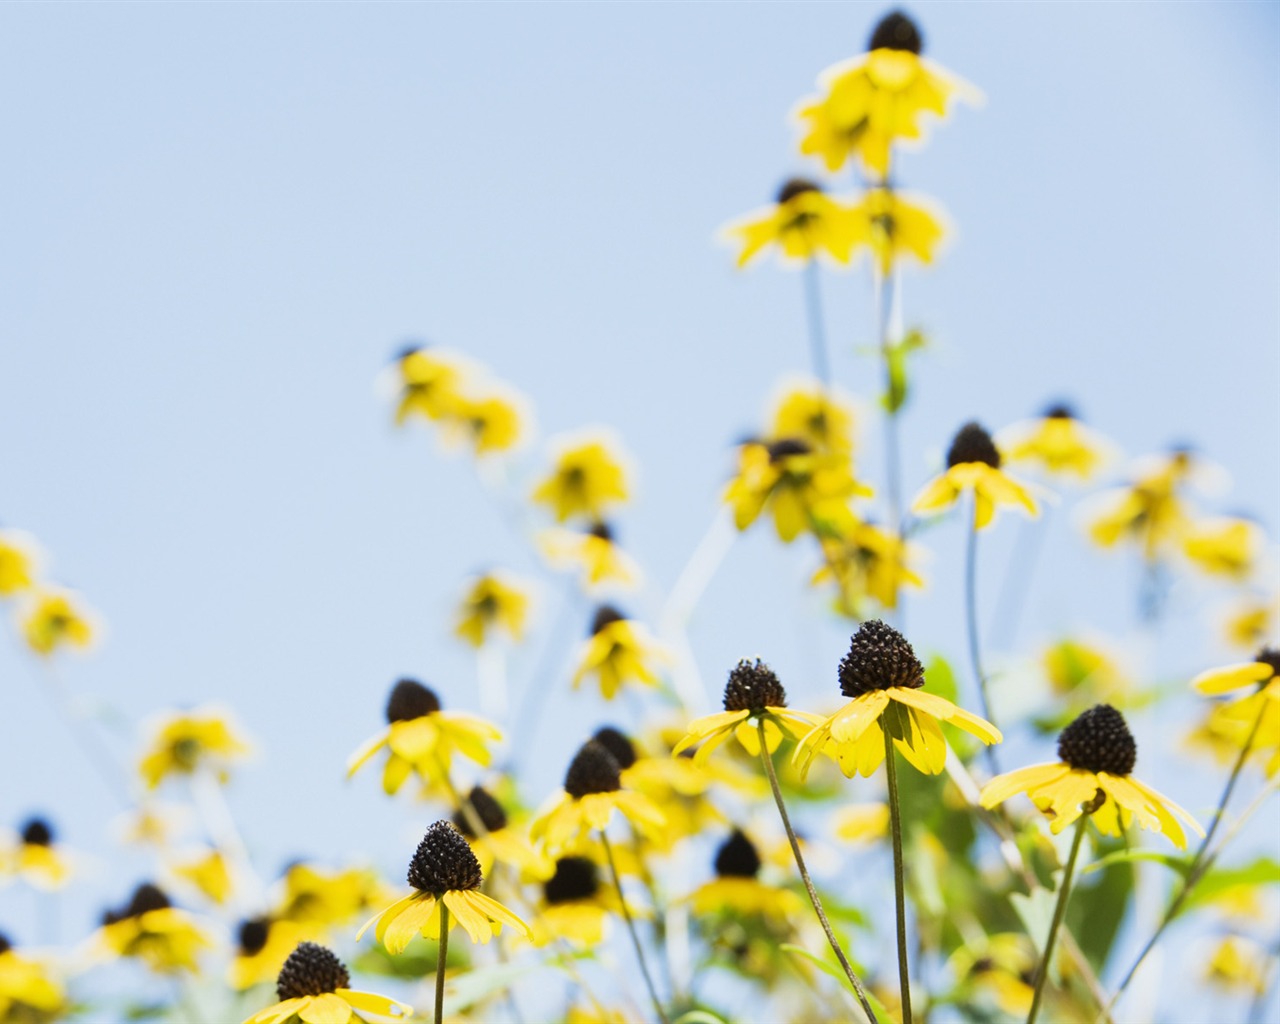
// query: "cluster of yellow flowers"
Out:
[49,617]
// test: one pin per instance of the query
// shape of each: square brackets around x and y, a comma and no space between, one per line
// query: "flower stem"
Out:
[1200,863]
[899,878]
[971,615]
[1059,910]
[442,952]
[804,875]
[885,296]
[817,332]
[631,929]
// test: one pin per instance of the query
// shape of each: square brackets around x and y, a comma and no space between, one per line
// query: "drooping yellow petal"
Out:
[1232,677]
[1035,776]
[329,1008]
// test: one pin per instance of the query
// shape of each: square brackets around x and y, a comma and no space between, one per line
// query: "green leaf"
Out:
[699,1017]
[1097,908]
[1179,864]
[1263,871]
[941,678]
[835,971]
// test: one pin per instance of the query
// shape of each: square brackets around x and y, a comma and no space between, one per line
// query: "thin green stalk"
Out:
[442,952]
[971,617]
[631,929]
[804,875]
[1200,863]
[1059,910]
[817,332]
[899,878]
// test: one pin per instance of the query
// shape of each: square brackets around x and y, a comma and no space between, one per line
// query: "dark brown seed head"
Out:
[973,444]
[576,878]
[1059,411]
[146,897]
[879,658]
[896,32]
[1099,741]
[737,857]
[618,744]
[785,448]
[5,944]
[1270,656]
[602,530]
[592,770]
[487,809]
[753,686]
[409,700]
[311,970]
[37,832]
[793,187]
[444,862]
[252,935]
[606,615]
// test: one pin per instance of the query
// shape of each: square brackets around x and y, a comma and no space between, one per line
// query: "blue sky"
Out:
[221,221]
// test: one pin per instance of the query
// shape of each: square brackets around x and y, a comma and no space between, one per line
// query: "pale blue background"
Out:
[220,221]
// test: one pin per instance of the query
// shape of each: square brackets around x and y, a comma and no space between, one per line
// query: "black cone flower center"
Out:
[5,944]
[606,615]
[576,878]
[146,897]
[602,530]
[618,744]
[1270,656]
[753,686]
[1060,411]
[1099,741]
[592,770]
[252,935]
[879,658]
[311,970]
[785,448]
[37,832]
[793,187]
[487,809]
[409,700]
[973,444]
[737,857]
[896,32]
[444,862]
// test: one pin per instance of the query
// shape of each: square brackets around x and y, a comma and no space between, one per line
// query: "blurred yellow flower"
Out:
[737,890]
[619,651]
[805,490]
[587,479]
[166,939]
[32,855]
[1239,964]
[492,422]
[208,872]
[594,554]
[1257,715]
[497,842]
[861,823]
[575,906]
[1225,546]
[29,991]
[312,986]
[867,562]
[19,562]
[813,414]
[1253,622]
[430,382]
[803,223]
[1148,512]
[323,899]
[50,618]
[973,464]
[1057,444]
[263,944]
[493,602]
[186,743]
[1072,665]
[894,225]
[1002,965]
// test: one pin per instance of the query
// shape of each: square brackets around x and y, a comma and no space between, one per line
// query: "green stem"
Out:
[804,875]
[971,616]
[1059,910]
[442,952]
[631,929]
[899,878]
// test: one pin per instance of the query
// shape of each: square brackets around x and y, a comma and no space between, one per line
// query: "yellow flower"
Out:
[736,889]
[149,928]
[619,651]
[1149,511]
[421,738]
[1098,753]
[575,906]
[812,414]
[263,944]
[208,872]
[1253,622]
[1072,664]
[894,225]
[320,898]
[19,562]
[498,842]
[183,744]
[312,987]
[443,871]
[885,679]
[1239,964]
[867,562]
[588,478]
[491,422]
[28,992]
[1258,714]
[1057,444]
[806,490]
[861,823]
[50,618]
[1003,965]
[592,792]
[595,554]
[429,382]
[1225,546]
[753,694]
[870,101]
[804,223]
[33,856]
[1263,673]
[492,602]
[973,464]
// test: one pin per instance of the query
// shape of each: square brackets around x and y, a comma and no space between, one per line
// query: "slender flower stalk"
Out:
[885,292]
[1059,911]
[817,329]
[899,878]
[770,771]
[442,953]
[971,618]
[631,929]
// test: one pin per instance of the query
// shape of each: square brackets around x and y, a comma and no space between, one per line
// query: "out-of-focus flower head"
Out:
[1077,666]
[804,223]
[576,905]
[151,929]
[1150,511]
[870,102]
[811,413]
[19,562]
[51,618]
[1057,444]
[320,898]
[885,680]
[33,855]
[895,225]
[493,602]
[262,946]
[29,991]
[587,479]
[206,871]
[1093,777]
[593,553]
[185,743]
[618,651]
[1254,718]
[492,421]
[429,383]
[1227,546]
[1254,621]
[973,464]
[861,823]
[737,890]
[1001,966]
[313,987]
[422,738]
[1238,964]
[867,563]
[154,823]
[496,841]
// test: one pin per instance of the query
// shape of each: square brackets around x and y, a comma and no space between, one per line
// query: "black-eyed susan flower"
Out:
[444,873]
[1001,966]
[429,383]
[867,562]
[422,738]
[1253,718]
[313,987]
[861,823]
[815,415]
[322,898]
[1073,666]
[1238,964]
[593,553]
[885,680]
[618,651]
[497,842]
[895,225]
[19,562]
[1230,547]
[737,888]
[753,694]
[1263,673]
[491,422]
[1057,444]
[871,101]
[33,856]
[29,991]
[185,743]
[806,490]
[151,929]
[1253,621]
[494,602]
[588,478]
[208,872]
[51,618]
[1097,754]
[262,946]
[576,906]
[973,464]
[592,792]
[803,224]
[1150,512]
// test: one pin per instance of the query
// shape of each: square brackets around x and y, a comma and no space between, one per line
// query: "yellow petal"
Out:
[1232,677]
[1002,787]
[329,1008]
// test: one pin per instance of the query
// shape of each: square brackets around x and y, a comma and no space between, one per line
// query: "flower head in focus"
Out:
[151,929]
[618,651]
[588,479]
[803,223]
[885,680]
[51,618]
[973,464]
[186,743]
[313,987]
[493,602]
[1057,444]
[1093,777]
